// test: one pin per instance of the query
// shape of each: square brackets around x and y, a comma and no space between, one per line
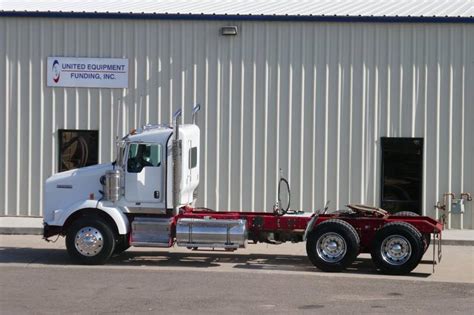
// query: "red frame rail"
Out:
[295,224]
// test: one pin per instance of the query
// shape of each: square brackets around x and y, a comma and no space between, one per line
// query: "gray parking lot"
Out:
[37,277]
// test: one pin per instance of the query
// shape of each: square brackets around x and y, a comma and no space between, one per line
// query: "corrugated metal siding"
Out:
[310,98]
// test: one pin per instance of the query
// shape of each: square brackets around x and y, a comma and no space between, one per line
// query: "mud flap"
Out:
[437,254]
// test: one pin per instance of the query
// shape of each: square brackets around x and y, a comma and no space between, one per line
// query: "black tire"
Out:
[98,232]
[343,236]
[387,259]
[426,236]
[426,241]
[121,244]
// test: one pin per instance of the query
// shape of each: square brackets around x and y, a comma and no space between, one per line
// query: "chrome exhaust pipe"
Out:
[196,108]
[176,116]
[176,155]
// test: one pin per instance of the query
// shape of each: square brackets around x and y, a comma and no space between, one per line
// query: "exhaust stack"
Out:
[196,108]
[177,153]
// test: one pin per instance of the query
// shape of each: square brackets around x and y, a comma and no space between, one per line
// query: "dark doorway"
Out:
[402,174]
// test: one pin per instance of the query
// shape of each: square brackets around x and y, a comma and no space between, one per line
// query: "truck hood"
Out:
[66,188]
[72,175]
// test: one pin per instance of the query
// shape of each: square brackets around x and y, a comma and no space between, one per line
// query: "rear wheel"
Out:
[397,248]
[426,236]
[90,241]
[333,245]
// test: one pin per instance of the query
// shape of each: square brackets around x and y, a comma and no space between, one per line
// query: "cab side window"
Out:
[193,157]
[143,155]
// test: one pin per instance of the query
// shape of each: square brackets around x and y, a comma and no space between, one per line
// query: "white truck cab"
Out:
[146,164]
[155,173]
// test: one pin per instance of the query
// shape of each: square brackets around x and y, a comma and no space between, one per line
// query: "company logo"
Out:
[56,71]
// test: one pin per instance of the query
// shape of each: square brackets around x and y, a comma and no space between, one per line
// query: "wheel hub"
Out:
[331,247]
[396,250]
[89,241]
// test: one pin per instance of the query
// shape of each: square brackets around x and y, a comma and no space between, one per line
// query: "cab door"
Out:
[144,176]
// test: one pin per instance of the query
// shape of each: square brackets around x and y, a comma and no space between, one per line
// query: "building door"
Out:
[402,173]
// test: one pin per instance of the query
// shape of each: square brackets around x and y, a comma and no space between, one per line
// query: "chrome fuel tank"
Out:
[211,233]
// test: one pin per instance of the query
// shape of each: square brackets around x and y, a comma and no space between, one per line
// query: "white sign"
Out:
[88,72]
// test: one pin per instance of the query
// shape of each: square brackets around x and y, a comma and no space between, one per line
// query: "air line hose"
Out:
[283,211]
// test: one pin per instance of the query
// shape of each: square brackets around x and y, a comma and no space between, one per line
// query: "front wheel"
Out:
[333,245]
[90,241]
[397,248]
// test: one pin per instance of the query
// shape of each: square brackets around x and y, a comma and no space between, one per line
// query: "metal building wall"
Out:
[310,98]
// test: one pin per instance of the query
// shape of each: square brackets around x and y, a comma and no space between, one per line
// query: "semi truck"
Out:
[147,197]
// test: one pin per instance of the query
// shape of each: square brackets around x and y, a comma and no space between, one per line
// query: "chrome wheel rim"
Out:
[396,250]
[89,241]
[331,247]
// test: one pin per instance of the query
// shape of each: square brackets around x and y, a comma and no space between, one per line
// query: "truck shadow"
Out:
[194,259]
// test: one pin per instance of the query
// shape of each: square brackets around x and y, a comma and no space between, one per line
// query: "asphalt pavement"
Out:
[37,277]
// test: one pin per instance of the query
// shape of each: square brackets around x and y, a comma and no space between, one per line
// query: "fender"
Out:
[116,213]
[310,226]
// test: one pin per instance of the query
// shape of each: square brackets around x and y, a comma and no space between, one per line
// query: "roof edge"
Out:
[238,17]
